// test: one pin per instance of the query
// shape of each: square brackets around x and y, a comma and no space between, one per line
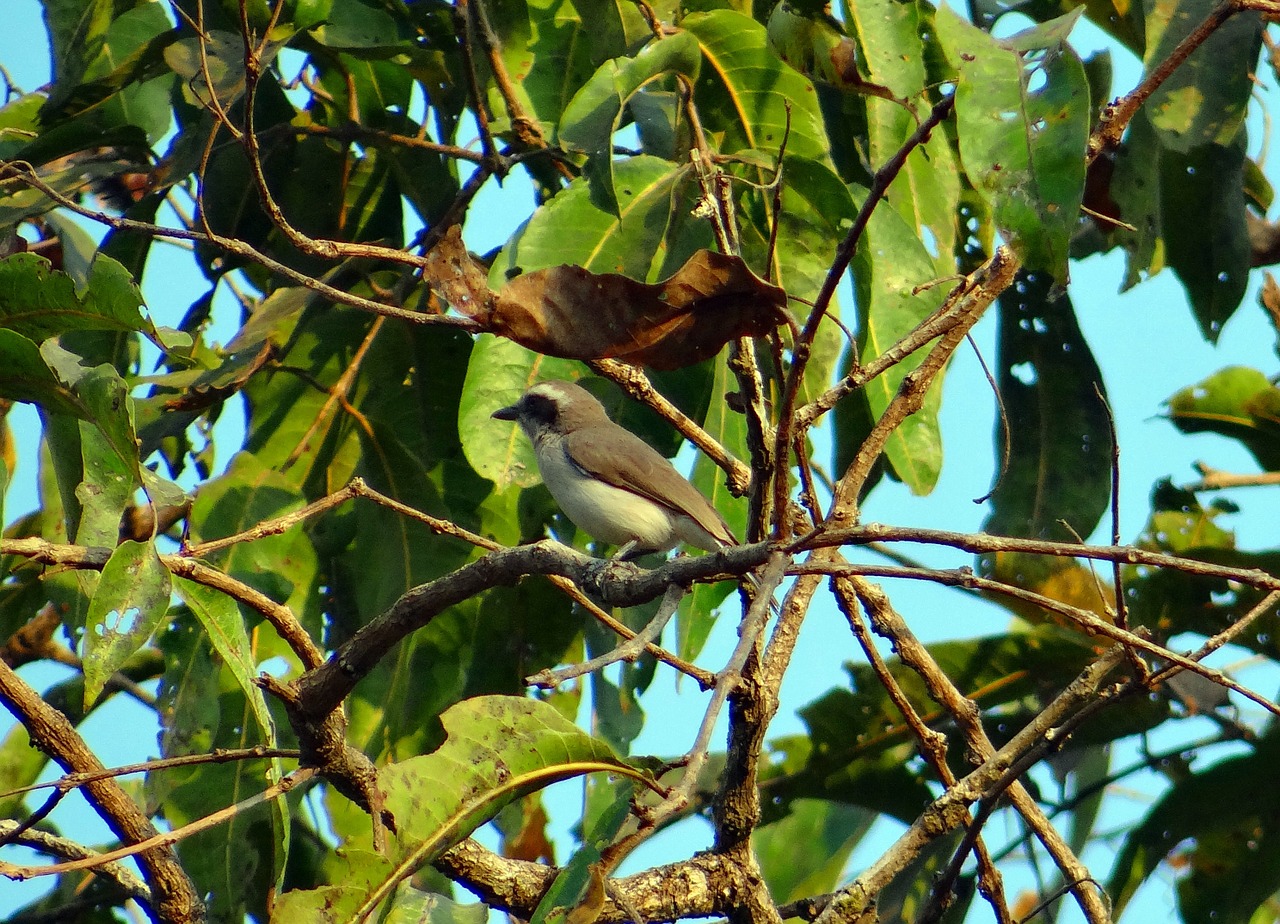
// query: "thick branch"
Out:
[703,886]
[321,690]
[174,897]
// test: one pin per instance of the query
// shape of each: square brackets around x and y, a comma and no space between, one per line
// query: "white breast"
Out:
[607,513]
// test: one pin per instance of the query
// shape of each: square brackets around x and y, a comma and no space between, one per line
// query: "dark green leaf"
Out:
[220,618]
[1203,100]
[1231,861]
[568,888]
[39,302]
[356,25]
[1211,254]
[1059,456]
[25,376]
[805,852]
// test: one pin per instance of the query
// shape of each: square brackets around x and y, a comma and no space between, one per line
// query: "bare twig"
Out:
[992,776]
[634,382]
[1212,479]
[629,650]
[168,838]
[933,745]
[119,873]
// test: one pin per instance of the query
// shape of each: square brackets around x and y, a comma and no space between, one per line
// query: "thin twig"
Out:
[629,650]
[167,838]
[634,381]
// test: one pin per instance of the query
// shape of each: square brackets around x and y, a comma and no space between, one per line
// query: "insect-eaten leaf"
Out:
[570,312]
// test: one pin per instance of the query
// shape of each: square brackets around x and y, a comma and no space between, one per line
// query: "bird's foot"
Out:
[604,572]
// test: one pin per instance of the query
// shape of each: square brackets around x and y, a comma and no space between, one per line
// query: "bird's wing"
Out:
[646,473]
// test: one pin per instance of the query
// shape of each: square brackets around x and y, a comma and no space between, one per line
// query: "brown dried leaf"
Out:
[531,841]
[844,70]
[570,312]
[457,276]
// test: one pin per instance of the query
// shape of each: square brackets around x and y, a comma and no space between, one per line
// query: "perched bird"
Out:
[609,482]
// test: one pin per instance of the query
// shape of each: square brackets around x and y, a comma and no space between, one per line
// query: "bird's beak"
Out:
[511,412]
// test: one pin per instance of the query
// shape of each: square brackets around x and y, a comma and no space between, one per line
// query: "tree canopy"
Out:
[759,234]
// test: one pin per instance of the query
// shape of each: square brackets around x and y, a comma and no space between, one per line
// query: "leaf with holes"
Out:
[131,599]
[1023,116]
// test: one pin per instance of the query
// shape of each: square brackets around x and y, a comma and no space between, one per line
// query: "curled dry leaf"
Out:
[458,277]
[573,313]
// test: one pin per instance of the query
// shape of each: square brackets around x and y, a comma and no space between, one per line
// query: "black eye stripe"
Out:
[540,408]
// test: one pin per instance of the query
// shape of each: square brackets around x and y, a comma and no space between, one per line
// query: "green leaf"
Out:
[890,49]
[131,599]
[573,880]
[1136,189]
[273,312]
[332,903]
[104,396]
[39,302]
[594,113]
[356,25]
[282,566]
[217,62]
[889,264]
[497,749]
[235,865]
[1203,101]
[19,123]
[127,83]
[547,46]
[1210,255]
[745,89]
[25,376]
[1059,456]
[106,488]
[372,211]
[1232,859]
[805,852]
[817,210]
[617,715]
[356,873]
[647,240]
[927,191]
[1237,402]
[77,30]
[220,617]
[411,906]
[1121,19]
[1023,148]
[804,41]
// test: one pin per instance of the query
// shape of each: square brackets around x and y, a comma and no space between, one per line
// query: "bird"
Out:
[609,482]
